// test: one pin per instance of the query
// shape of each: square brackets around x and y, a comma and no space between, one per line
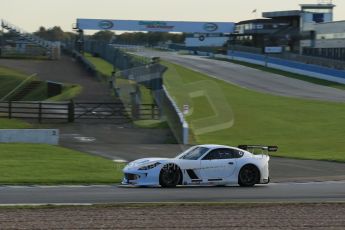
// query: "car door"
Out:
[218,164]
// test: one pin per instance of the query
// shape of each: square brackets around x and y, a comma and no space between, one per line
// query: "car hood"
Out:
[145,161]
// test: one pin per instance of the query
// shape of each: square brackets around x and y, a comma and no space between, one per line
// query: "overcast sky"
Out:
[30,14]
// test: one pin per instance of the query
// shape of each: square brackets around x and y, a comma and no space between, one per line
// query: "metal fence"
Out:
[115,55]
[329,53]
[36,110]
[326,62]
[73,111]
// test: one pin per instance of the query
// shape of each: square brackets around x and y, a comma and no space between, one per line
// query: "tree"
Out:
[53,34]
[103,35]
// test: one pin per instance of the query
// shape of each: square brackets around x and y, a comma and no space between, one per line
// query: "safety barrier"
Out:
[314,71]
[174,116]
[36,136]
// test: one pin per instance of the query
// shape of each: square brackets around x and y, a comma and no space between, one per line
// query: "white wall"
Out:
[331,27]
[37,136]
[209,41]
[331,43]
[326,28]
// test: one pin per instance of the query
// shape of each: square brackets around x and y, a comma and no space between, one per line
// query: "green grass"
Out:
[223,113]
[38,94]
[69,91]
[151,124]
[140,59]
[105,68]
[45,164]
[14,124]
[10,79]
[288,74]
[102,66]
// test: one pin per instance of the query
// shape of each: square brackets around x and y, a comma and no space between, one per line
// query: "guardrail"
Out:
[174,116]
[37,136]
[310,70]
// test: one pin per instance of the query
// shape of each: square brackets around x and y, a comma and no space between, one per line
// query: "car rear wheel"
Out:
[249,175]
[169,176]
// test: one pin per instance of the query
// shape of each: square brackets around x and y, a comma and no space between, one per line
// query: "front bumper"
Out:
[265,181]
[140,178]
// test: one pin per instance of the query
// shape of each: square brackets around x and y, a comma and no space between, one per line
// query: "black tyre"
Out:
[169,176]
[249,176]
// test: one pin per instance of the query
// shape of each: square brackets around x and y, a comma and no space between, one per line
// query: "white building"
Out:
[328,36]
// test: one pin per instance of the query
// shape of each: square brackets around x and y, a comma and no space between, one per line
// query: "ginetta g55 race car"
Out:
[203,165]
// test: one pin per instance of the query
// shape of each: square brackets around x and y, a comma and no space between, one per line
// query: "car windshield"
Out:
[193,153]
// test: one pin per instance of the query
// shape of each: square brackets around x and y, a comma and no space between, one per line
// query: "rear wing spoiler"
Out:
[261,147]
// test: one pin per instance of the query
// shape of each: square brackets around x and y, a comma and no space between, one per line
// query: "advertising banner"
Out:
[273,49]
[156,26]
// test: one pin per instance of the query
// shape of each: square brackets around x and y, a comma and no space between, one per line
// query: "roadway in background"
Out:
[250,78]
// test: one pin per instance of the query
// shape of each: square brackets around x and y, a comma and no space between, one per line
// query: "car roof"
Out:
[215,146]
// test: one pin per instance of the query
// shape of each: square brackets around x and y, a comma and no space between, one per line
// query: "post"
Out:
[153,111]
[266,59]
[40,112]
[71,111]
[10,110]
[135,107]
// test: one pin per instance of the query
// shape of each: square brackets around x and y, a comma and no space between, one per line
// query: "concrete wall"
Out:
[38,136]
[290,66]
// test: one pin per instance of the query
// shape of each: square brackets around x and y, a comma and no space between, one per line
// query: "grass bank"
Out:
[69,91]
[10,79]
[45,164]
[102,66]
[105,68]
[13,124]
[223,113]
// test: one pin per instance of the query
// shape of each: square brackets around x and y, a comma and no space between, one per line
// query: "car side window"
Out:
[237,153]
[219,154]
[212,155]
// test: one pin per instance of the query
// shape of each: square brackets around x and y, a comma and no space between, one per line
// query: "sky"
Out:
[31,14]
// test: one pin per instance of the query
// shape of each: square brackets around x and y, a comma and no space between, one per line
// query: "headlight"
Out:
[151,166]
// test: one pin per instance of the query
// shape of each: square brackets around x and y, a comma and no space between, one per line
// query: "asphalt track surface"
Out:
[252,78]
[282,192]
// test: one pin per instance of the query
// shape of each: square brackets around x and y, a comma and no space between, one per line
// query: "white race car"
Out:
[203,165]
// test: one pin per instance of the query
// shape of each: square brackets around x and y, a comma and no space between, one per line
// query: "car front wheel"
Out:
[169,176]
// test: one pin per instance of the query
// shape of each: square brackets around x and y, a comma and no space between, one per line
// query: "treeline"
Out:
[138,38]
[54,34]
